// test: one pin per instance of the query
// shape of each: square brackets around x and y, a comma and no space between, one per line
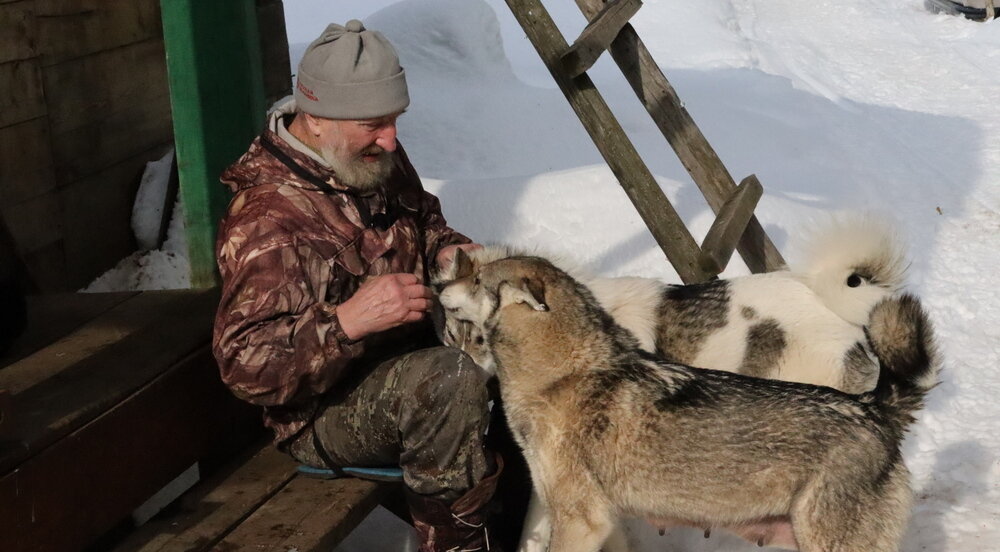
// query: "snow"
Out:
[165,268]
[147,211]
[834,105]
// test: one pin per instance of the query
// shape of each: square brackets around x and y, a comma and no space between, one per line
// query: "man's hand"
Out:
[447,253]
[382,303]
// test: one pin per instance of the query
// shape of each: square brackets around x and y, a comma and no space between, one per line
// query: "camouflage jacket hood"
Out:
[289,254]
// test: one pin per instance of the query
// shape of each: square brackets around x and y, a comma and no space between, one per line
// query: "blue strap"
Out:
[377,474]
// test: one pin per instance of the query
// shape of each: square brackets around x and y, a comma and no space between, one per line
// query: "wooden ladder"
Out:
[735,226]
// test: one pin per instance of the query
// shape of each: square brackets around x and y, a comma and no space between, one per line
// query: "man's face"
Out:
[358,150]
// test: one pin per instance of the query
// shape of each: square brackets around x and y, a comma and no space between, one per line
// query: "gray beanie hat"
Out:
[350,73]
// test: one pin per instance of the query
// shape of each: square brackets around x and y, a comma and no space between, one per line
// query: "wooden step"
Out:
[729,225]
[598,35]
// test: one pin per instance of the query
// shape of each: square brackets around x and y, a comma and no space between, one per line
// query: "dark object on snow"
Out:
[977,10]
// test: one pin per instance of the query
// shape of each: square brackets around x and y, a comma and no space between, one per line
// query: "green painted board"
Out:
[217,100]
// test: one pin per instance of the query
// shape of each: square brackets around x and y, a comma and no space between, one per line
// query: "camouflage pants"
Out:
[425,411]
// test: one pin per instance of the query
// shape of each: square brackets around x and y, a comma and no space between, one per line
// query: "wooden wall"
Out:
[83,107]
[84,104]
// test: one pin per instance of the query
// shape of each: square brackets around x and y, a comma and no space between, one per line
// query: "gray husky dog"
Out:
[609,431]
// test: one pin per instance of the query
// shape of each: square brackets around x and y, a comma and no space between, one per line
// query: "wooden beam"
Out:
[656,211]
[597,36]
[676,124]
[217,97]
[729,225]
[277,67]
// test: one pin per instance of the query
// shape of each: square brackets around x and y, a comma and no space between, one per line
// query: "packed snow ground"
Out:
[834,105]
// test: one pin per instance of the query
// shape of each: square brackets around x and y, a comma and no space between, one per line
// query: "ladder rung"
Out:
[729,225]
[598,35]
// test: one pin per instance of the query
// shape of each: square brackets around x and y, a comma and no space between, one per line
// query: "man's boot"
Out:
[459,526]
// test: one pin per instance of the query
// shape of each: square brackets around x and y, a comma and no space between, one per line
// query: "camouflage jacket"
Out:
[288,254]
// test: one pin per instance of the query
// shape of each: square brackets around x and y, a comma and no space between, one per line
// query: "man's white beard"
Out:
[356,172]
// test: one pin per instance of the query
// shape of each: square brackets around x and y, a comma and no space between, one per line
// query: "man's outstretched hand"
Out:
[382,303]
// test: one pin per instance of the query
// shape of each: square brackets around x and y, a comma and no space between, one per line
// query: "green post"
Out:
[217,99]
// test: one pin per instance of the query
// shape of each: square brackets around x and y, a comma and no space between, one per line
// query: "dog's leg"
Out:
[584,532]
[617,541]
[843,513]
[537,527]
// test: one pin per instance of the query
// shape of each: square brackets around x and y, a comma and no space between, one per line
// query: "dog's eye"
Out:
[853,280]
[475,281]
[479,340]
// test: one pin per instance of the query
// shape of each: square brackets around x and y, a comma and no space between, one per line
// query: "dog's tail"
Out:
[852,263]
[902,338]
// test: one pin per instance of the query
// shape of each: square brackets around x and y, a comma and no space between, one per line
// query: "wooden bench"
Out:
[109,397]
[261,503]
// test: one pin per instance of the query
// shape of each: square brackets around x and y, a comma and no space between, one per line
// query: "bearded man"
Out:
[324,254]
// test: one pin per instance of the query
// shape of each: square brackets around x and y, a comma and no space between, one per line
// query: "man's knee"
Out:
[445,375]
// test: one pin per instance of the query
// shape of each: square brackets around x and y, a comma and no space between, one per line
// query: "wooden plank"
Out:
[213,507]
[34,223]
[597,36]
[307,515]
[97,214]
[51,409]
[218,108]
[85,90]
[21,94]
[656,211]
[26,159]
[84,484]
[60,319]
[729,225]
[70,29]
[18,39]
[684,136]
[126,132]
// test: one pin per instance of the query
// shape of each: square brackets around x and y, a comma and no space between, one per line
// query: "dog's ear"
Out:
[526,290]
[463,264]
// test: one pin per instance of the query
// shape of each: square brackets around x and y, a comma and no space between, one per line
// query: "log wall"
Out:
[84,104]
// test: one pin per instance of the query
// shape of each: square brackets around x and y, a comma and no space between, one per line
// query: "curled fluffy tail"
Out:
[902,338]
[853,262]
